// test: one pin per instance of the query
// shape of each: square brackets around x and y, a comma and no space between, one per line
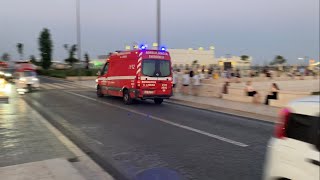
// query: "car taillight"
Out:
[280,130]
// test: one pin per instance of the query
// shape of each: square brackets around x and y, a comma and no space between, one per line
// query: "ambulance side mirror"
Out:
[99,73]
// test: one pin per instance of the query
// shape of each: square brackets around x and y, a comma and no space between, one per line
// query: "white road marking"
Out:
[98,142]
[60,86]
[167,121]
[57,85]
[46,86]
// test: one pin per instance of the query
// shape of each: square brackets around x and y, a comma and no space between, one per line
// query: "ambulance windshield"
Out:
[156,68]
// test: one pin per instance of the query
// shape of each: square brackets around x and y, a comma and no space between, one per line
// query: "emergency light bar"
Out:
[163,48]
[143,46]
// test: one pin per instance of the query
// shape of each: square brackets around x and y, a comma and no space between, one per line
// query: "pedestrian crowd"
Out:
[189,82]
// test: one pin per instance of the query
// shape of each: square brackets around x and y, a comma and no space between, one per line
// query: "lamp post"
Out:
[78,34]
[159,23]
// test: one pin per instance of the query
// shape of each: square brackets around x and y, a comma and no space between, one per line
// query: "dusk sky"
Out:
[260,28]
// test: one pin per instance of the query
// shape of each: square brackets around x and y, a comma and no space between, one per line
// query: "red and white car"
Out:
[294,151]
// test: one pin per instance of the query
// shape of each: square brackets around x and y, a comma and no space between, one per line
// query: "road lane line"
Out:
[46,86]
[98,142]
[57,85]
[166,121]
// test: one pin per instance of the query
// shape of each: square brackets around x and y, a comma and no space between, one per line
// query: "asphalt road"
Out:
[129,141]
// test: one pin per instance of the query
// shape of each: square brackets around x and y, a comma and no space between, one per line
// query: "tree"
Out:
[278,60]
[45,47]
[244,57]
[5,57]
[87,60]
[20,50]
[71,51]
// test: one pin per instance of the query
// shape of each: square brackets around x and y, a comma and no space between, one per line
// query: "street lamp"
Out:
[78,34]
[159,23]
[303,59]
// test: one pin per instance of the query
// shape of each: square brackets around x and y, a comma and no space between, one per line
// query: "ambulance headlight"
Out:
[22,79]
[1,73]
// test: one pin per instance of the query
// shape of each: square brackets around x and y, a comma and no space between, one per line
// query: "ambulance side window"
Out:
[105,69]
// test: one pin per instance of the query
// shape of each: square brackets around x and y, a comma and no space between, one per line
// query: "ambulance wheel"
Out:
[99,92]
[158,101]
[126,97]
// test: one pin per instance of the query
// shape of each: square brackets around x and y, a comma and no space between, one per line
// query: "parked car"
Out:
[294,151]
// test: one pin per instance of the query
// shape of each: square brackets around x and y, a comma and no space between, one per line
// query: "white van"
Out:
[26,81]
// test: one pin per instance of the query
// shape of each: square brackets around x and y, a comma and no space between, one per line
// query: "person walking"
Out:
[238,76]
[202,75]
[273,94]
[174,80]
[196,84]
[225,89]
[185,83]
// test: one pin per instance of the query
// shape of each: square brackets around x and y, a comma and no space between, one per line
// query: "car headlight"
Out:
[7,74]
[22,79]
[35,79]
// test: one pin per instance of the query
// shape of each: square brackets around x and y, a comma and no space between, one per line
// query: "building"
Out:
[234,62]
[188,56]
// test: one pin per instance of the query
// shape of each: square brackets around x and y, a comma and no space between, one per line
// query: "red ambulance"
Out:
[136,74]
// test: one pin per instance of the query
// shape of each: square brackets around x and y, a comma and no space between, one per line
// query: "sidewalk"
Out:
[250,110]
[31,148]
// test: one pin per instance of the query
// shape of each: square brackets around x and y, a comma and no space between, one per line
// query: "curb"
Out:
[233,112]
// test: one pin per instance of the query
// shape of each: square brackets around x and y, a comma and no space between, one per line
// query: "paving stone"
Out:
[24,138]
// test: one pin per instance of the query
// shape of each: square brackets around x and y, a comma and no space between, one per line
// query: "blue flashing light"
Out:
[143,46]
[163,48]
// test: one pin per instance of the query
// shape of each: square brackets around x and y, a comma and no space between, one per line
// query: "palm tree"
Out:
[71,51]
[278,60]
[244,57]
[20,50]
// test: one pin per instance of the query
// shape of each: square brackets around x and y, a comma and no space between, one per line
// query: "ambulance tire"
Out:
[99,92]
[158,101]
[126,97]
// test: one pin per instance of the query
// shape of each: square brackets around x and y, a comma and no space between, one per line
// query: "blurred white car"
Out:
[26,81]
[293,152]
